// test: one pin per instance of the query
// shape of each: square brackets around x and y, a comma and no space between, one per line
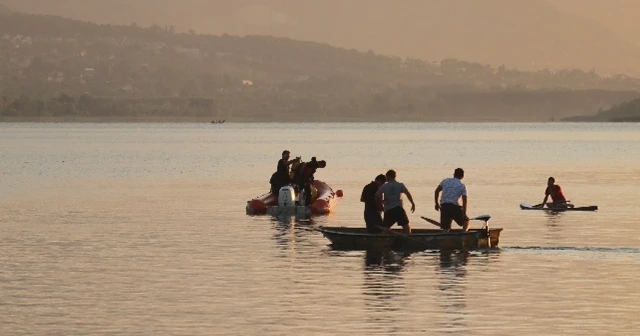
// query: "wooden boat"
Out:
[527,206]
[349,238]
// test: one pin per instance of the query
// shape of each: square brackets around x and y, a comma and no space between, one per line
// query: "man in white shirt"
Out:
[452,190]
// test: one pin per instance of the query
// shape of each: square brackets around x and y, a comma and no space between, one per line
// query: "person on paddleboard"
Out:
[372,207]
[393,210]
[557,197]
[452,190]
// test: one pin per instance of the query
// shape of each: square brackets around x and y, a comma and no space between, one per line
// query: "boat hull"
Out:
[268,203]
[526,206]
[345,238]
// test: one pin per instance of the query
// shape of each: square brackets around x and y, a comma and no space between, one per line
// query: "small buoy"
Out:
[339,193]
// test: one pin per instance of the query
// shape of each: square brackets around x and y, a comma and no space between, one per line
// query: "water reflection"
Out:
[452,284]
[384,286]
[553,218]
[291,231]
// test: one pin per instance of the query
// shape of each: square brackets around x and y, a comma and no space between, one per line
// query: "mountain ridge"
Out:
[528,35]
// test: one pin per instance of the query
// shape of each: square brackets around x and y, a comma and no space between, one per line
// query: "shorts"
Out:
[373,219]
[557,204]
[395,215]
[451,212]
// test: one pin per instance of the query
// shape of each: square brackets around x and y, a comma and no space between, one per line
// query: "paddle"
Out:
[485,218]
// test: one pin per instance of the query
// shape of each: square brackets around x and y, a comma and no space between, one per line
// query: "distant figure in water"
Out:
[557,197]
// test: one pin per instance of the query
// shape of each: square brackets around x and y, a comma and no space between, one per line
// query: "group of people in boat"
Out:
[384,196]
[301,175]
[218,121]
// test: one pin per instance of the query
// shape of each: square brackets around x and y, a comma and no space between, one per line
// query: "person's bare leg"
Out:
[466,225]
[406,229]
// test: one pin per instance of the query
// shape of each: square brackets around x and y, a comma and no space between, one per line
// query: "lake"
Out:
[140,229]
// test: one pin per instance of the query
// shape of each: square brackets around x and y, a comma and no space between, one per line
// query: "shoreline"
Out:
[261,120]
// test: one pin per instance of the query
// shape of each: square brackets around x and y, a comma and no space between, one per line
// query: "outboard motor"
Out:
[287,197]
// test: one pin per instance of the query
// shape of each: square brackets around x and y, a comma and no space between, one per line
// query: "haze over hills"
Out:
[526,34]
[61,68]
[620,16]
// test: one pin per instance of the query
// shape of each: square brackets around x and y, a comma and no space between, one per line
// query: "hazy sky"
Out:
[620,16]
[518,33]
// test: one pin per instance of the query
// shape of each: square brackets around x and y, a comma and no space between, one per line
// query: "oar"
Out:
[485,218]
[436,223]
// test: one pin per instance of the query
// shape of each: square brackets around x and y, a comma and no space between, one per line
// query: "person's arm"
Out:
[544,201]
[436,196]
[413,205]
[292,161]
[379,195]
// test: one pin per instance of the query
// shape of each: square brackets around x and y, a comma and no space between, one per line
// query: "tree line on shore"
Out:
[389,105]
[60,67]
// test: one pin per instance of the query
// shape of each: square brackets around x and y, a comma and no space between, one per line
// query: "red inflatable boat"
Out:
[325,199]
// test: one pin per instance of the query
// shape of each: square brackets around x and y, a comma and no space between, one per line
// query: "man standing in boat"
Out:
[557,197]
[373,207]
[452,190]
[393,210]
[281,176]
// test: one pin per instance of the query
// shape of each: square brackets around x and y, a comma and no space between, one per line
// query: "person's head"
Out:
[458,173]
[381,179]
[285,154]
[551,181]
[391,175]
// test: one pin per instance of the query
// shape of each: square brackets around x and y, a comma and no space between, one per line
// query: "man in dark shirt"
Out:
[281,176]
[304,176]
[372,208]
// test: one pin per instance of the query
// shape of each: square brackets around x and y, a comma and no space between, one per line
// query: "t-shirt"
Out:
[555,192]
[392,194]
[283,168]
[369,196]
[452,190]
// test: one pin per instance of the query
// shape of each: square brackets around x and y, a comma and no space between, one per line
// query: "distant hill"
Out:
[526,34]
[63,68]
[626,111]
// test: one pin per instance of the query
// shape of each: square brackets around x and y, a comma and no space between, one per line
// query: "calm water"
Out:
[140,229]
